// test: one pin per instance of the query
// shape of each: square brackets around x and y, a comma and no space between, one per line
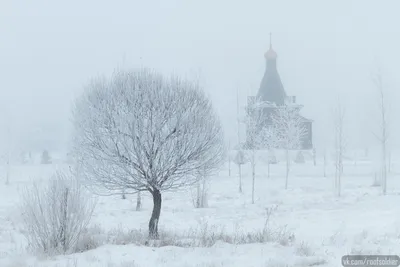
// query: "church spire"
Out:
[270,40]
[271,87]
[271,54]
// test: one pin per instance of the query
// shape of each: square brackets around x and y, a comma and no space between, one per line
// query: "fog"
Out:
[326,50]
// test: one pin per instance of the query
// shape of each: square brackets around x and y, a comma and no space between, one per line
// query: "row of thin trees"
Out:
[381,135]
[287,131]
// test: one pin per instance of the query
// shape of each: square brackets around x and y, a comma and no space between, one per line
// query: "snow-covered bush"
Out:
[55,214]
[300,158]
[304,249]
[91,238]
[45,159]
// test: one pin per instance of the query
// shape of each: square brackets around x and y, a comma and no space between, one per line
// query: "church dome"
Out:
[270,54]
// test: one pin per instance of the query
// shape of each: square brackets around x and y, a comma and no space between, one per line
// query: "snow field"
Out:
[316,227]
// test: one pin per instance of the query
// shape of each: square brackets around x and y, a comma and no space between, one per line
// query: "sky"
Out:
[327,50]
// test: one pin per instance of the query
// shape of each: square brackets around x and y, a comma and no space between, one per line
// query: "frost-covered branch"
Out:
[56,214]
[260,135]
[290,131]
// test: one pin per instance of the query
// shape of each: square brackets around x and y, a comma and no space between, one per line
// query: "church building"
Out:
[272,95]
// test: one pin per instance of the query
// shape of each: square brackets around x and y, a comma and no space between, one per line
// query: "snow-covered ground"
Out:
[325,226]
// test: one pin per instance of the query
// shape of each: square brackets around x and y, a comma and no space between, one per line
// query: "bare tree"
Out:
[340,145]
[254,122]
[259,136]
[8,166]
[8,153]
[144,132]
[56,214]
[269,140]
[201,196]
[383,134]
[325,163]
[229,158]
[290,131]
[240,159]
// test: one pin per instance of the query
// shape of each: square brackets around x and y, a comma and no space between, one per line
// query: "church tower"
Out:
[271,88]
[271,95]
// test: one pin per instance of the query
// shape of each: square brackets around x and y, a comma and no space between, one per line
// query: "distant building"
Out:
[271,95]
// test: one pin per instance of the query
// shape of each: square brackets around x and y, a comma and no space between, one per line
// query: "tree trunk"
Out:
[204,197]
[338,171]
[229,166]
[287,169]
[240,178]
[198,195]
[229,158]
[155,215]
[254,180]
[269,169]
[139,202]
[340,176]
[315,156]
[63,229]
[123,194]
[384,170]
[8,170]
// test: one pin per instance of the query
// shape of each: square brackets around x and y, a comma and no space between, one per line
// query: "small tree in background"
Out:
[271,158]
[239,160]
[339,145]
[290,131]
[201,196]
[325,162]
[7,159]
[46,159]
[140,131]
[383,125]
[254,124]
[229,159]
[314,154]
[259,136]
[300,158]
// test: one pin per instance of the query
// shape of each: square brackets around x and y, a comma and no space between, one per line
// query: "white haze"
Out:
[326,49]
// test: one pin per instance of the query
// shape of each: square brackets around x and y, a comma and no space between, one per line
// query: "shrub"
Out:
[56,214]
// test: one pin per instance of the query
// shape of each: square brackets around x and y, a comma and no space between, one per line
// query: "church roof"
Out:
[271,87]
[304,119]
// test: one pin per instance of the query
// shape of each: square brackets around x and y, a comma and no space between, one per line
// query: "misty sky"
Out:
[326,49]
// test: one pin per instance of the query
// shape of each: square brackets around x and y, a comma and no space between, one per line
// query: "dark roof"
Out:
[271,88]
